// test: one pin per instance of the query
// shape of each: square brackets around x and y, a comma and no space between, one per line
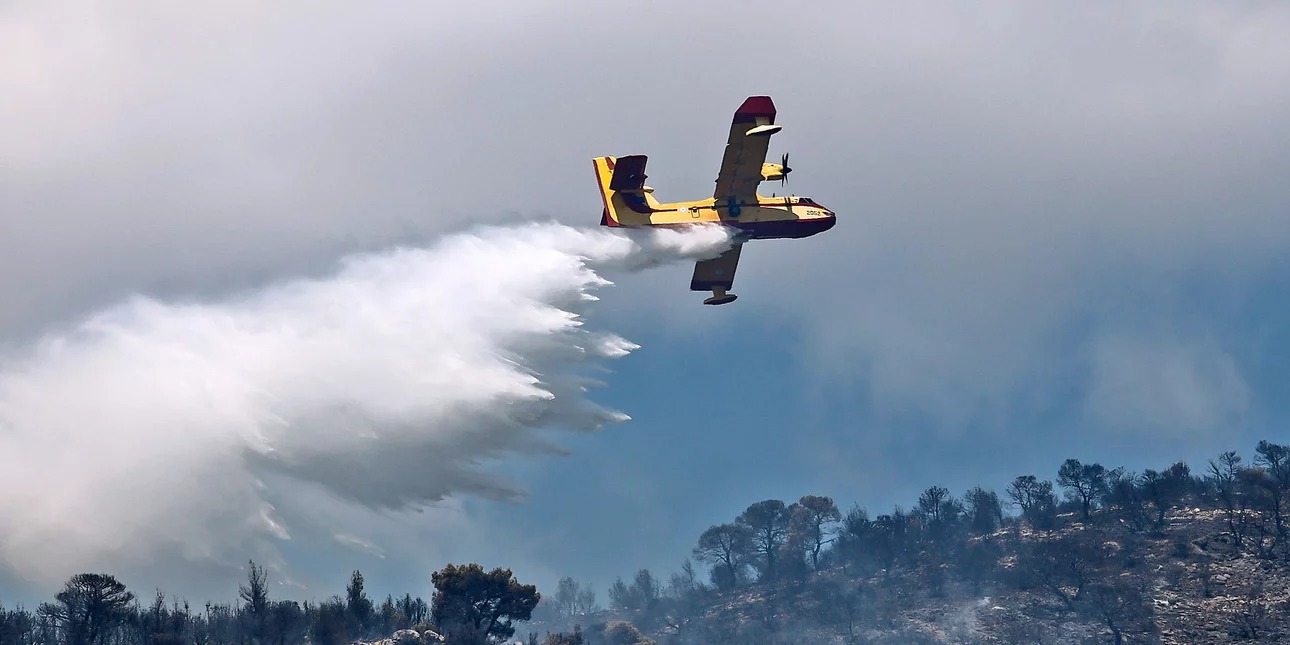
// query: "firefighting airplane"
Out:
[735,203]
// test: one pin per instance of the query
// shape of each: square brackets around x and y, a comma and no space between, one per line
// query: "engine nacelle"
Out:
[772,171]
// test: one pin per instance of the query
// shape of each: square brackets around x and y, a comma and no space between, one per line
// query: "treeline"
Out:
[836,567]
[469,606]
[97,609]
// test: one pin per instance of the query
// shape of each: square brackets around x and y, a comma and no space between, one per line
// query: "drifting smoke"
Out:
[157,428]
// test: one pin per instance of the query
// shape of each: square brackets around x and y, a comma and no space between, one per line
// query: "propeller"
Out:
[784,163]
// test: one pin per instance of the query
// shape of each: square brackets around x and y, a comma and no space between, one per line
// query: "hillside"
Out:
[1162,557]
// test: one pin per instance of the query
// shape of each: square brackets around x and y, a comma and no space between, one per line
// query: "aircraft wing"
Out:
[717,272]
[746,151]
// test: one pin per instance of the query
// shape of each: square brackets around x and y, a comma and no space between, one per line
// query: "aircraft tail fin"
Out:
[623,190]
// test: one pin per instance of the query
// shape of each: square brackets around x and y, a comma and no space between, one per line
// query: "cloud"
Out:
[160,438]
[173,151]
[1174,387]
[1025,182]
[358,544]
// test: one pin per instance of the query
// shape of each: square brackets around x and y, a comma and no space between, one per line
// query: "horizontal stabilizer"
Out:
[629,173]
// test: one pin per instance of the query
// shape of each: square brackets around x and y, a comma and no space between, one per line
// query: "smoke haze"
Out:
[178,435]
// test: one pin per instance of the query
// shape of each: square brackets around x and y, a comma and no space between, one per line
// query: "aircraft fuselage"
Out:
[769,218]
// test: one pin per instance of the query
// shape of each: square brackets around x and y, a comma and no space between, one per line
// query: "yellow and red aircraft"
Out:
[735,203]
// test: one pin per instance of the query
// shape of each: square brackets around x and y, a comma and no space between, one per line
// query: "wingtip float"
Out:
[735,203]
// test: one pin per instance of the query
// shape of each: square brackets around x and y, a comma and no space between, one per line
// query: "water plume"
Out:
[154,431]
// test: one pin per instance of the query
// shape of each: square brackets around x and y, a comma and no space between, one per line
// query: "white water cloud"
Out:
[170,436]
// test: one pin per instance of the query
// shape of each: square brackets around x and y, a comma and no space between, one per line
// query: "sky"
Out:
[1063,231]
